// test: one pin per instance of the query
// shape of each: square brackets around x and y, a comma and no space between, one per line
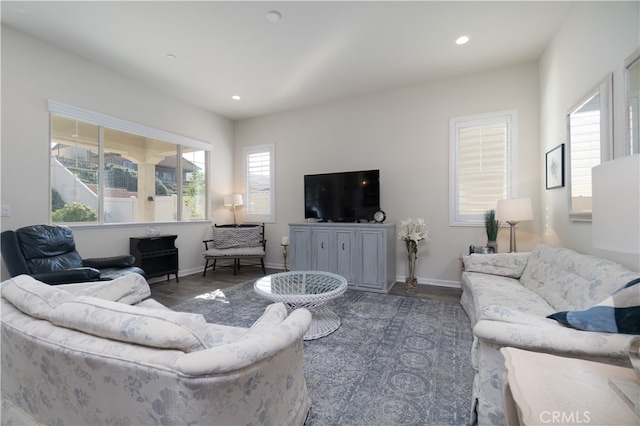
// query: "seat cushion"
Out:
[158,328]
[235,252]
[487,290]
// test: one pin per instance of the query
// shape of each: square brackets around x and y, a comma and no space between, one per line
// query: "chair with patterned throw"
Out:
[235,242]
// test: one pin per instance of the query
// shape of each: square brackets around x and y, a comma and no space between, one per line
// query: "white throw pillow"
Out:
[143,326]
[33,297]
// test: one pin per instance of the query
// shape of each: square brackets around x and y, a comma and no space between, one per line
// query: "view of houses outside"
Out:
[143,180]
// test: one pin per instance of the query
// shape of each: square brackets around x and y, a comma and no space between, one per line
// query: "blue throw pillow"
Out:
[618,313]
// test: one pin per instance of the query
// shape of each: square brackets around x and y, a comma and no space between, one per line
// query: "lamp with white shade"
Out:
[513,211]
[233,201]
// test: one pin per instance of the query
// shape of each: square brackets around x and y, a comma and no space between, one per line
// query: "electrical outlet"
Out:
[5,210]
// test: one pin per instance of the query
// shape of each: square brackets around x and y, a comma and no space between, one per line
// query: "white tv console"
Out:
[363,253]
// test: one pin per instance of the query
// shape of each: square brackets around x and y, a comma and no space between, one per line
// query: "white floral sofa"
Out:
[100,354]
[508,298]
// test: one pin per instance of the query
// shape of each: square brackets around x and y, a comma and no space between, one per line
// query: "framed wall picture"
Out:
[555,167]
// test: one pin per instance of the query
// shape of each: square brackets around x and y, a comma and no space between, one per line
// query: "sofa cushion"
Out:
[33,297]
[226,238]
[570,281]
[618,313]
[133,324]
[486,290]
[504,264]
[128,289]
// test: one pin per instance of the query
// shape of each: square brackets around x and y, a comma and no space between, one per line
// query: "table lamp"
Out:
[233,201]
[513,211]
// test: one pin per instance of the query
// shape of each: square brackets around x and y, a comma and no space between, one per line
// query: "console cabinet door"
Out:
[345,254]
[300,248]
[362,253]
[321,252]
[371,263]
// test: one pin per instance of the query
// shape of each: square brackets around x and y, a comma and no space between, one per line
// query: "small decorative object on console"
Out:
[379,216]
[152,231]
[412,232]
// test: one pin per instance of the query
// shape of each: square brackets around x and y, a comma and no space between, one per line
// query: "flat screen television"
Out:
[342,197]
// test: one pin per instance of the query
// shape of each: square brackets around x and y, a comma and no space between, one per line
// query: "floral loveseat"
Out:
[100,354]
[508,298]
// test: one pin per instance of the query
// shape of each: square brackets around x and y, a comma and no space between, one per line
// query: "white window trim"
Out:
[246,151]
[123,125]
[511,117]
[103,120]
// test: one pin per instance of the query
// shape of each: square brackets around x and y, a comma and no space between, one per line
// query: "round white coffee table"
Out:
[306,289]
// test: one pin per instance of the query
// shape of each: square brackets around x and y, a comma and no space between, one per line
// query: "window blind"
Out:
[483,152]
[585,150]
[259,183]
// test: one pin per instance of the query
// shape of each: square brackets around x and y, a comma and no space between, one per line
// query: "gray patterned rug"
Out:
[393,361]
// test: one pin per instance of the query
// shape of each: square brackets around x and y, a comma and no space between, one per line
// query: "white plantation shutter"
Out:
[481,164]
[259,169]
[585,150]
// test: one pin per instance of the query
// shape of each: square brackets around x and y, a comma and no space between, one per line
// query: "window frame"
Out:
[105,121]
[604,89]
[510,118]
[246,152]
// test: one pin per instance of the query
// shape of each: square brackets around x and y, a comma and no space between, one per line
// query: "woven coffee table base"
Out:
[323,322]
[306,289]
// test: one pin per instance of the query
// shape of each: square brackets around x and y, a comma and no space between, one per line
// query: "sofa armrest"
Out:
[245,352]
[76,275]
[122,261]
[554,339]
[505,264]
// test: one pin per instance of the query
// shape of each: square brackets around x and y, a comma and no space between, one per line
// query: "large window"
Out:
[482,164]
[105,170]
[259,183]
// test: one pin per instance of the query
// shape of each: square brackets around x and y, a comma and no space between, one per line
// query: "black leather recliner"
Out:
[48,253]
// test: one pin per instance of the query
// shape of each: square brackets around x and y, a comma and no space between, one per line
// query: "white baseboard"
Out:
[431,281]
[278,266]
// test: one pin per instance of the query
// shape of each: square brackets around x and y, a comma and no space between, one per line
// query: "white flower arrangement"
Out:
[412,231]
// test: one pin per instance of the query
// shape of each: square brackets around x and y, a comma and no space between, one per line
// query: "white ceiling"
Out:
[319,51]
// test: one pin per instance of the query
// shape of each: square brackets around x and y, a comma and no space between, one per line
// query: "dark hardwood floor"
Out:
[171,293]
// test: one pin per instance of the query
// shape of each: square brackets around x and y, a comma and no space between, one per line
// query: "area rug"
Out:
[394,360]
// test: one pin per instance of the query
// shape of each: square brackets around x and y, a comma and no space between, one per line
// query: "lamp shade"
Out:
[514,210]
[615,220]
[233,200]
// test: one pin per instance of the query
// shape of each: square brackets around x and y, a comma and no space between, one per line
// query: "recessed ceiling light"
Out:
[274,15]
[236,97]
[171,56]
[462,39]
